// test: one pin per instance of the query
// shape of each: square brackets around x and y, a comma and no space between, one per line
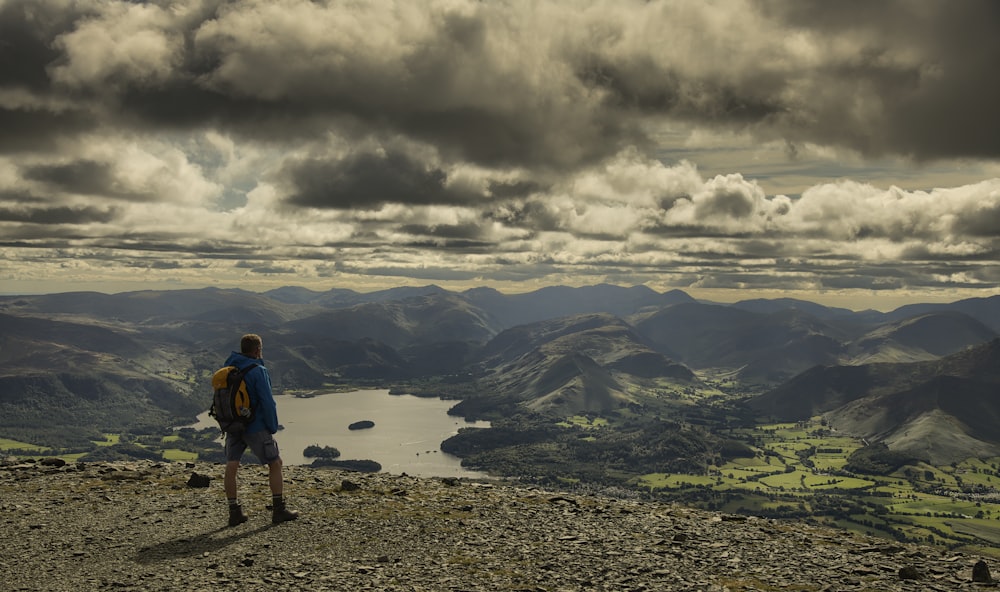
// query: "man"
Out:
[258,436]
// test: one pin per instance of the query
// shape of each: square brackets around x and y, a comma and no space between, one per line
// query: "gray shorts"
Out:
[261,443]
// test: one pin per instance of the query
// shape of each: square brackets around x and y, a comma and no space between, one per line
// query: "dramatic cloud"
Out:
[368,180]
[748,145]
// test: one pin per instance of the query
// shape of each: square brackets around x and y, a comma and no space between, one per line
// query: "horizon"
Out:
[832,152]
[855,303]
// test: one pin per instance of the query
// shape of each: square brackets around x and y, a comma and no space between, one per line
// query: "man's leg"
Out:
[234,449]
[279,513]
[275,478]
[266,448]
[232,490]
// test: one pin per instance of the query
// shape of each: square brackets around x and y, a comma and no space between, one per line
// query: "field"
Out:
[584,422]
[180,445]
[798,471]
[7,445]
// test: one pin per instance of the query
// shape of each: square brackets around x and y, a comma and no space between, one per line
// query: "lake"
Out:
[406,438]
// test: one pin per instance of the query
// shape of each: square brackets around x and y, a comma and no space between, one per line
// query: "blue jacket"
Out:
[259,387]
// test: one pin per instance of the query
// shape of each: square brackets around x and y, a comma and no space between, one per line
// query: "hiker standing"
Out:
[258,435]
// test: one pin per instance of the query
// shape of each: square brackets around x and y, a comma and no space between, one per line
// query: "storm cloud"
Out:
[750,144]
[370,180]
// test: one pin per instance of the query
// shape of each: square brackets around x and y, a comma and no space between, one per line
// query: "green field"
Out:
[182,445]
[798,470]
[179,455]
[7,444]
[584,422]
[109,440]
[662,480]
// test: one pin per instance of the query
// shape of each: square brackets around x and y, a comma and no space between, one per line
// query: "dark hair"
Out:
[249,343]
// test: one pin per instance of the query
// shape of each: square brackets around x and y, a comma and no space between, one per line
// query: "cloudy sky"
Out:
[844,152]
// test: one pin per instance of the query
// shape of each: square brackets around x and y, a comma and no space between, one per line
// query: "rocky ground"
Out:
[147,526]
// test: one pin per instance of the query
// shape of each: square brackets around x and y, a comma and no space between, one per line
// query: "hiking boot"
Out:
[279,513]
[236,515]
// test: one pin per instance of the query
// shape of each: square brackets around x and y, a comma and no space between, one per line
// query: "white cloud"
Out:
[129,42]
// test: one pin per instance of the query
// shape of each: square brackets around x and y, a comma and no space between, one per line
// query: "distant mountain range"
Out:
[557,351]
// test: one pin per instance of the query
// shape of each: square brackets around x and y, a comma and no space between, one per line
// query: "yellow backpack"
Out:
[231,404]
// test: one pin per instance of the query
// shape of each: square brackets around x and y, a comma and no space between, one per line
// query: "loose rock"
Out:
[397,533]
[197,480]
[981,573]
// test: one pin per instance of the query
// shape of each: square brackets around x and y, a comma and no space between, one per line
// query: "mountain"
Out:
[942,420]
[572,364]
[344,298]
[939,410]
[78,379]
[768,306]
[772,341]
[158,307]
[38,344]
[311,360]
[416,336]
[765,347]
[923,337]
[984,310]
[411,321]
[299,295]
[561,301]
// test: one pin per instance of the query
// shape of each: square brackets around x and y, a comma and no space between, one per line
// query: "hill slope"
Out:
[922,337]
[566,366]
[767,347]
[941,410]
[69,381]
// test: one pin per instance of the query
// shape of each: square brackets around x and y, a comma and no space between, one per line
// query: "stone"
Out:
[59,535]
[981,573]
[198,480]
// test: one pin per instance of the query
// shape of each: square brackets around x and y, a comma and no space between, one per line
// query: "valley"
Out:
[881,423]
[803,470]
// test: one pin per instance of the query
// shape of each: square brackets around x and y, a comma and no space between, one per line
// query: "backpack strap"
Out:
[241,374]
[244,371]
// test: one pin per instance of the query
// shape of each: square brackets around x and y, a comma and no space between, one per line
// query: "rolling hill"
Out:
[573,364]
[924,337]
[766,347]
[940,410]
[558,351]
[402,323]
[71,381]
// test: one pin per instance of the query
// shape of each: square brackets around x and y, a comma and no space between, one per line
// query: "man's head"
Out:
[251,345]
